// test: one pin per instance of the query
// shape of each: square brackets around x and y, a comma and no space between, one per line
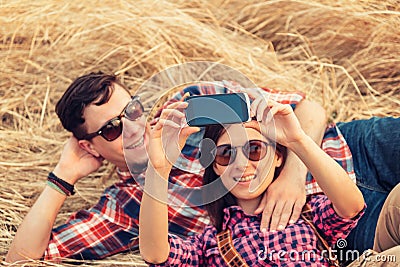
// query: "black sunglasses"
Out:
[254,150]
[112,129]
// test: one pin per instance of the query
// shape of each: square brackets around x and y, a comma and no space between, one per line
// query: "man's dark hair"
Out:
[92,88]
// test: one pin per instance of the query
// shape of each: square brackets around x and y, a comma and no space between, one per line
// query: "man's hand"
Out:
[282,203]
[75,163]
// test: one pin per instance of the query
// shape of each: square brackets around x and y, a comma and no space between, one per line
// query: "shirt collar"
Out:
[124,175]
[235,214]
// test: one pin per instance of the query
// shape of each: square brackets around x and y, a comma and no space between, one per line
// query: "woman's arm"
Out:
[153,217]
[286,196]
[331,177]
[346,198]
[167,138]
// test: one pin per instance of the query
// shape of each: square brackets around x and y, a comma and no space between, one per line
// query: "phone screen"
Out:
[217,109]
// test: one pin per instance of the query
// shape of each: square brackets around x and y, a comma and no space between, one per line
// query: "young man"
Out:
[94,108]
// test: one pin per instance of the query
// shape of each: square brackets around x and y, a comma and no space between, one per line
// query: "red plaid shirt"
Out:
[296,245]
[111,226]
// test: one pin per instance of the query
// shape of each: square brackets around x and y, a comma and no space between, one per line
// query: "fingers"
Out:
[277,215]
[281,218]
[173,112]
[266,216]
[279,108]
[172,115]
[184,96]
[188,130]
[254,92]
[288,214]
[178,106]
[185,132]
[264,109]
[254,107]
[165,122]
[257,98]
[297,209]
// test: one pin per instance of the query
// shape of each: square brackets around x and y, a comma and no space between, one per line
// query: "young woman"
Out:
[245,164]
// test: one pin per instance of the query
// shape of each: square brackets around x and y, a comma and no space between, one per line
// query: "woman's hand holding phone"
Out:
[277,121]
[168,136]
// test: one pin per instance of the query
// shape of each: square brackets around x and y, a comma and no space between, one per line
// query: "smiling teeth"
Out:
[139,143]
[245,178]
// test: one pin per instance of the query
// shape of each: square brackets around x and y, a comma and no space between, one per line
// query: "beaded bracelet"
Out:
[65,187]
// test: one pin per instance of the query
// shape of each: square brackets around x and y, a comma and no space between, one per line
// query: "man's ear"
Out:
[88,147]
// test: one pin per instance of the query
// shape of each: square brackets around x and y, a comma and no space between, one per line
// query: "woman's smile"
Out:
[245,178]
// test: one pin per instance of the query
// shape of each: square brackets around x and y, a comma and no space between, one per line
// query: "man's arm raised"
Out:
[32,237]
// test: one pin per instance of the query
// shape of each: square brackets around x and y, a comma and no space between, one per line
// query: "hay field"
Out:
[344,54]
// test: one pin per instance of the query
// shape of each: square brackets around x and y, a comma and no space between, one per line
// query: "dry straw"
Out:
[344,54]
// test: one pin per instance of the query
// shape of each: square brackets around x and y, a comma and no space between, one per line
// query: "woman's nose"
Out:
[241,161]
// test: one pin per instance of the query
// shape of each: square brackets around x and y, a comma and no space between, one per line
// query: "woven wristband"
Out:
[56,187]
[66,187]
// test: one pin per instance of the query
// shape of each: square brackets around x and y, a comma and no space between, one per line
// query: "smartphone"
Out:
[217,109]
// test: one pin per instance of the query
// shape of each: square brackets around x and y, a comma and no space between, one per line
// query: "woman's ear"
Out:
[217,172]
[88,147]
[279,159]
